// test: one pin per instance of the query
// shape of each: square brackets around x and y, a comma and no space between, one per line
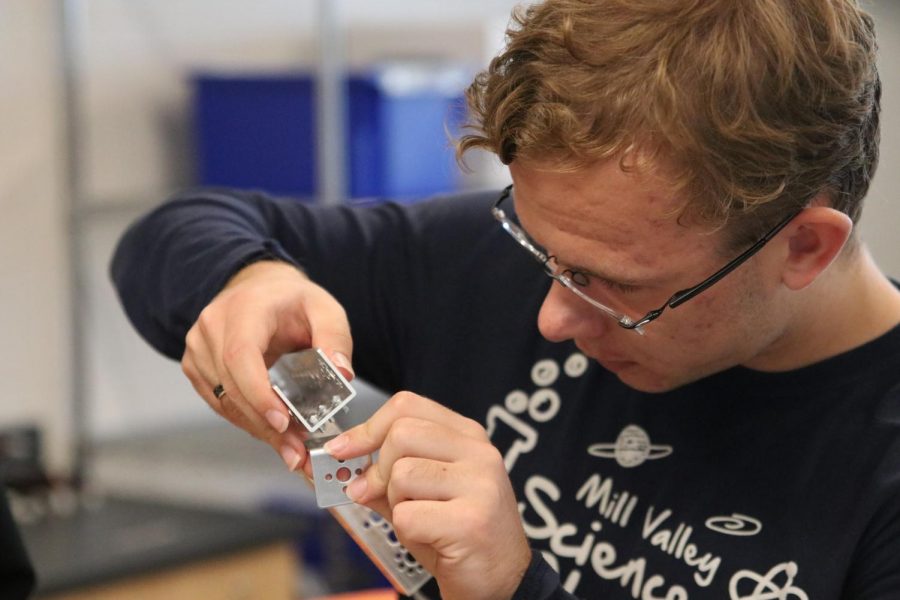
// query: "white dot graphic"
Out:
[576,365]
[544,405]
[545,372]
[517,402]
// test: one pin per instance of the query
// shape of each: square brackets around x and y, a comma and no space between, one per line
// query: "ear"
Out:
[817,236]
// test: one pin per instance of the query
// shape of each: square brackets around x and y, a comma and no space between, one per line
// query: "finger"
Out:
[244,374]
[412,438]
[201,386]
[231,404]
[293,452]
[289,445]
[204,342]
[424,523]
[330,329]
[240,413]
[198,361]
[381,507]
[422,479]
[198,358]
[416,438]
[369,436]
[198,367]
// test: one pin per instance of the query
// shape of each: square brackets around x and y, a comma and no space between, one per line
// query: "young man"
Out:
[708,409]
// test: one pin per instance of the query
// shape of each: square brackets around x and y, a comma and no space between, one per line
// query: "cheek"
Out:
[719,328]
[697,333]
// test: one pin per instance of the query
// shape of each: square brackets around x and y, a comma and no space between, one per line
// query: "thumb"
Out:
[330,330]
[341,361]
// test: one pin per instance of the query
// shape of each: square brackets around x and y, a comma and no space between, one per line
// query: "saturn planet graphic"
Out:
[631,448]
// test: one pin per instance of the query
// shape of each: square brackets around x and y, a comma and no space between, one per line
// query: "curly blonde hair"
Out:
[755,106]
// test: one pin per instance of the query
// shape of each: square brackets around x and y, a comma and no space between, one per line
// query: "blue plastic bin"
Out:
[259,131]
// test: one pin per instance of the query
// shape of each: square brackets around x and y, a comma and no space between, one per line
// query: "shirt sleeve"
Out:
[541,582]
[171,263]
[381,261]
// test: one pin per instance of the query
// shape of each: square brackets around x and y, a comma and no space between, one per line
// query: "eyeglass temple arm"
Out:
[684,295]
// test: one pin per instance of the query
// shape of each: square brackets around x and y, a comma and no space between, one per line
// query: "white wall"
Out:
[135,56]
[881,217]
[34,346]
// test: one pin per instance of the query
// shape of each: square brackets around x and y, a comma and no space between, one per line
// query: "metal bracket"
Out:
[314,390]
[378,540]
[310,386]
[331,476]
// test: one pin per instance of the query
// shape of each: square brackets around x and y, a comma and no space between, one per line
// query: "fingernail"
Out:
[290,457]
[357,488]
[336,444]
[340,360]
[278,421]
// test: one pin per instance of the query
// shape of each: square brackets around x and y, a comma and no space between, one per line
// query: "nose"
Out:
[564,316]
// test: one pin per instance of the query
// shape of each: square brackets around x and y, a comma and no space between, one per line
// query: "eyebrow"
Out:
[605,276]
[590,272]
[580,268]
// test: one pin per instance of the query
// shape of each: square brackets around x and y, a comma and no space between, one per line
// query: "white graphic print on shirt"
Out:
[631,449]
[585,551]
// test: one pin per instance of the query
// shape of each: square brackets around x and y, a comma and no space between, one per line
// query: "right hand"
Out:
[267,309]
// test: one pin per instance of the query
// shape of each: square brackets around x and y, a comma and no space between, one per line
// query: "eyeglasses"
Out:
[580,283]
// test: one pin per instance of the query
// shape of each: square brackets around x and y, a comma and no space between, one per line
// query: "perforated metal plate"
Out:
[330,475]
[314,390]
[377,539]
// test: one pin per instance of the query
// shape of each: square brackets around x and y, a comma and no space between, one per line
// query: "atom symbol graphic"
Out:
[766,588]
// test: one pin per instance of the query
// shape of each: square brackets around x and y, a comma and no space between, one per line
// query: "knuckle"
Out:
[403,470]
[394,437]
[231,353]
[402,402]
[474,428]
[339,310]
[205,320]
[491,453]
[399,433]
[190,340]
[405,427]
[187,367]
[402,517]
[491,457]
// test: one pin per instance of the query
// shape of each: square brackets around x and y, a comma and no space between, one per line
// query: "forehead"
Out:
[606,217]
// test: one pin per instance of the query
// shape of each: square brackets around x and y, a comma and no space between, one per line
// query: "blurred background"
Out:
[106,107]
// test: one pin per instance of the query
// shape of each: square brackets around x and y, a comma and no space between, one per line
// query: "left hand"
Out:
[443,486]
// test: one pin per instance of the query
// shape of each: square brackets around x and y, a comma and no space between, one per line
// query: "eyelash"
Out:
[573,274]
[619,287]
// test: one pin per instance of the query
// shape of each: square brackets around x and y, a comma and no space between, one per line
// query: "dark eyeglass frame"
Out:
[676,300]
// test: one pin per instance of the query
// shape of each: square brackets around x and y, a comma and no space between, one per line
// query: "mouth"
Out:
[611,363]
[615,366]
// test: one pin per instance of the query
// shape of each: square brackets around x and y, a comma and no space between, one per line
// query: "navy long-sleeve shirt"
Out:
[744,485]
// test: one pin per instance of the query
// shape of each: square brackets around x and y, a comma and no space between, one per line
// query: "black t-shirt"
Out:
[745,485]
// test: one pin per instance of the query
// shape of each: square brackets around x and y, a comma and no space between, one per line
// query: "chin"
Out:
[642,379]
[648,384]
